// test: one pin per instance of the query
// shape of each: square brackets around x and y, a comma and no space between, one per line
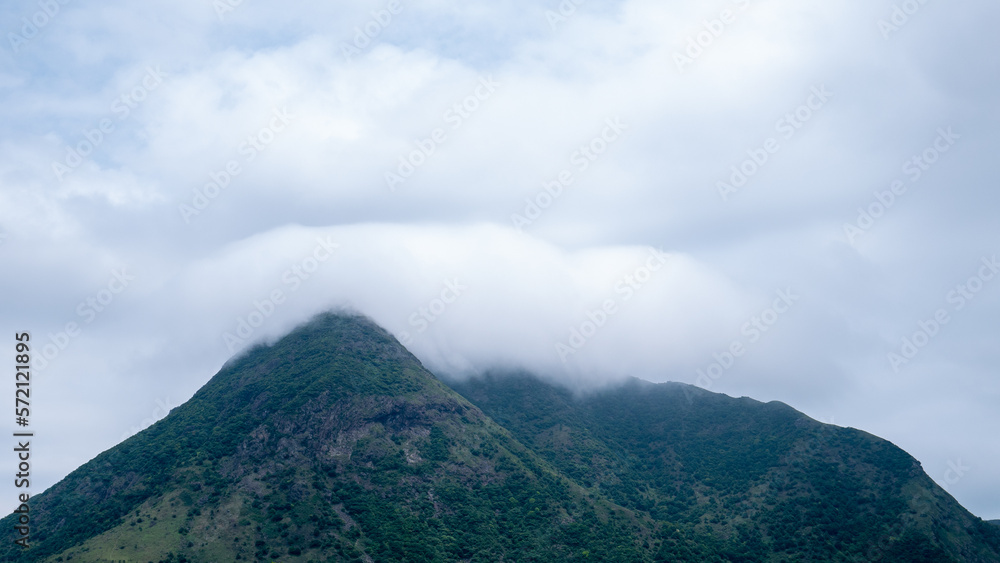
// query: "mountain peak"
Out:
[344,350]
[335,444]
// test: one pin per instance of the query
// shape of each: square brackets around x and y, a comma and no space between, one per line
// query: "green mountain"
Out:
[747,481]
[335,444]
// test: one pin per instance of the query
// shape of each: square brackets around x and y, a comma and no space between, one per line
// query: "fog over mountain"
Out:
[334,443]
[787,202]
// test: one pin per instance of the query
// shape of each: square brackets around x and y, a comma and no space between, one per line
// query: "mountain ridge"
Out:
[769,466]
[293,449]
[335,444]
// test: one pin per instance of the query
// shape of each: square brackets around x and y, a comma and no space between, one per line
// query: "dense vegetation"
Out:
[757,482]
[335,444]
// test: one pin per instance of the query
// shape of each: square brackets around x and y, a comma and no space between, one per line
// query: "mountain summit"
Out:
[335,444]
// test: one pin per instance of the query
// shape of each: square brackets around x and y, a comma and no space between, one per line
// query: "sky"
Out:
[787,201]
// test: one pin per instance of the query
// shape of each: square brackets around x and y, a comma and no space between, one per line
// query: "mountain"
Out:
[335,444]
[745,477]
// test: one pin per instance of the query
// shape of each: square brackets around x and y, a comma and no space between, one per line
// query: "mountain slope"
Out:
[334,444]
[762,476]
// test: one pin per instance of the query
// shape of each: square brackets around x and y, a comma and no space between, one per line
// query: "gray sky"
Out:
[785,201]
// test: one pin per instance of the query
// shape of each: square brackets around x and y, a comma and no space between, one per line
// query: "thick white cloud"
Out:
[308,136]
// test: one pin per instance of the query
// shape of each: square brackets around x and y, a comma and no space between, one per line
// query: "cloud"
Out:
[521,210]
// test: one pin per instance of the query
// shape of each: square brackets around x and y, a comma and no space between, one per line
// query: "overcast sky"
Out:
[761,197]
